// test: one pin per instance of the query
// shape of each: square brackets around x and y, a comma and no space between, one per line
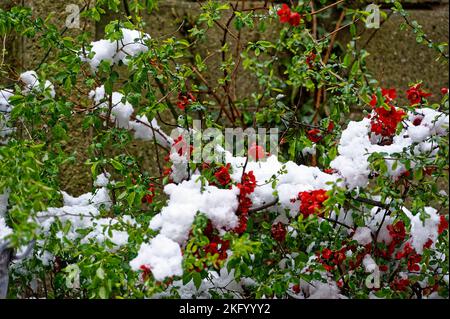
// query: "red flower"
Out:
[248,184]
[397,231]
[413,261]
[329,171]
[407,250]
[389,94]
[296,288]
[428,244]
[294,19]
[256,152]
[314,135]
[284,13]
[208,231]
[400,284]
[385,122]
[443,224]
[326,253]
[444,91]
[287,16]
[311,202]
[383,268]
[415,94]
[184,100]
[167,171]
[146,271]
[223,175]
[330,127]
[339,256]
[417,121]
[246,187]
[310,59]
[373,102]
[278,232]
[148,198]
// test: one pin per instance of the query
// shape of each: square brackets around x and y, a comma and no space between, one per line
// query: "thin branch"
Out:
[267,205]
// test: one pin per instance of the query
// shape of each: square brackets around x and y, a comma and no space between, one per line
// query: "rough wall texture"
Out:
[395,57]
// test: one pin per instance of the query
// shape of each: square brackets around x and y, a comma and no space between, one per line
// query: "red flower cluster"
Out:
[287,16]
[397,232]
[330,259]
[246,187]
[223,176]
[146,271]
[400,284]
[444,91]
[184,100]
[385,121]
[279,232]
[256,152]
[311,202]
[415,94]
[443,224]
[410,254]
[314,135]
[296,288]
[330,127]
[148,198]
[216,245]
[310,60]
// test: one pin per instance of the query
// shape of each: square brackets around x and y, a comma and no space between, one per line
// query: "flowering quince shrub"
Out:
[344,209]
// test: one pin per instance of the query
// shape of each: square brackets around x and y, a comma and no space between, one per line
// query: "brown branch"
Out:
[262,207]
[214,94]
[327,7]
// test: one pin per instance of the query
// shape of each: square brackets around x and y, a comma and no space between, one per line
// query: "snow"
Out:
[163,256]
[131,44]
[175,220]
[5,230]
[120,112]
[363,235]
[356,145]
[321,290]
[146,131]
[179,167]
[98,198]
[297,178]
[31,81]
[4,203]
[422,231]
[187,198]
[5,110]
[102,180]
[375,220]
[369,264]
